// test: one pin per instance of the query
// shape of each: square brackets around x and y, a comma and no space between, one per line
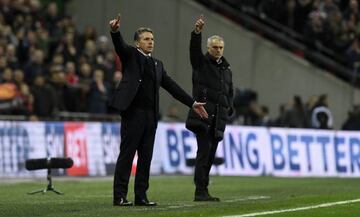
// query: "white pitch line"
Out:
[197,204]
[247,198]
[297,209]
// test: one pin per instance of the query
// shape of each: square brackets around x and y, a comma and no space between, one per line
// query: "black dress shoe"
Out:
[144,202]
[205,196]
[122,202]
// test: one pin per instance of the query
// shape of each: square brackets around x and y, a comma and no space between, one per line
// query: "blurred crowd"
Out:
[333,24]
[47,66]
[314,113]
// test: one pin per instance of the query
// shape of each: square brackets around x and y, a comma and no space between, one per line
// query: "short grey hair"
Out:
[214,37]
[140,31]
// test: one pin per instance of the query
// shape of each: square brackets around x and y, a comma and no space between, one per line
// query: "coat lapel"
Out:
[141,63]
[158,72]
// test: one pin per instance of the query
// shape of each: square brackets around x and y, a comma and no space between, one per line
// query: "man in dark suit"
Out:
[137,99]
[212,82]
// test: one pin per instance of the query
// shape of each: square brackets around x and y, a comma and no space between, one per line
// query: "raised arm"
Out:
[196,55]
[121,47]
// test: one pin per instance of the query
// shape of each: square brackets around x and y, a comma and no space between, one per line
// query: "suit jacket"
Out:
[133,69]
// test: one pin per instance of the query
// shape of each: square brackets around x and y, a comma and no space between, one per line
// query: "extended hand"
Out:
[199,24]
[115,23]
[200,110]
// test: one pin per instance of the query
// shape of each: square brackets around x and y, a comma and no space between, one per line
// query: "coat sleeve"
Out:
[175,90]
[196,55]
[121,47]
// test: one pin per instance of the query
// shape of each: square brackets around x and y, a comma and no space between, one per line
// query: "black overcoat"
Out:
[213,81]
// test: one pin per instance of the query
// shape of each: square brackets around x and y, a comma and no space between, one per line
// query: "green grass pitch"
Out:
[174,194]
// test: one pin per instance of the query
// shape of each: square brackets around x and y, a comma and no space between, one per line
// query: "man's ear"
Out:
[137,44]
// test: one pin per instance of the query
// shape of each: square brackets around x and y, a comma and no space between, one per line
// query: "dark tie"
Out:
[150,66]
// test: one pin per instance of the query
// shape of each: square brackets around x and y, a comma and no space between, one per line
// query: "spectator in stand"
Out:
[71,76]
[26,100]
[51,21]
[309,107]
[109,65]
[353,120]
[172,114]
[43,40]
[3,61]
[264,118]
[316,33]
[255,114]
[19,78]
[352,10]
[25,96]
[117,77]
[321,117]
[246,107]
[8,92]
[12,60]
[57,62]
[353,54]
[85,80]
[67,96]
[103,45]
[98,93]
[35,66]
[105,58]
[301,14]
[280,119]
[7,76]
[57,83]
[44,102]
[7,35]
[89,33]
[328,7]
[7,11]
[3,64]
[68,48]
[339,39]
[116,80]
[295,116]
[89,51]
[24,46]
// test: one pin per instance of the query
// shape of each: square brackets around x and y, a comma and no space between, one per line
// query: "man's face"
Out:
[146,42]
[216,48]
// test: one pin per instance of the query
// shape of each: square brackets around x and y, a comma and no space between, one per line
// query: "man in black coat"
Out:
[137,99]
[212,83]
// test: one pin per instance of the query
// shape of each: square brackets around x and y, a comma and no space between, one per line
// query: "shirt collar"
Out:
[142,52]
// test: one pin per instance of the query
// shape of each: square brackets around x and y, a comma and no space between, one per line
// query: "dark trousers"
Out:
[137,134]
[205,155]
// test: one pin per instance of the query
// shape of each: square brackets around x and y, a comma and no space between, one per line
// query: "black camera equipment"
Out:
[48,163]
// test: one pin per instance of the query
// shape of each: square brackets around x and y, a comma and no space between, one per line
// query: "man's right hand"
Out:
[115,24]
[200,110]
[199,24]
